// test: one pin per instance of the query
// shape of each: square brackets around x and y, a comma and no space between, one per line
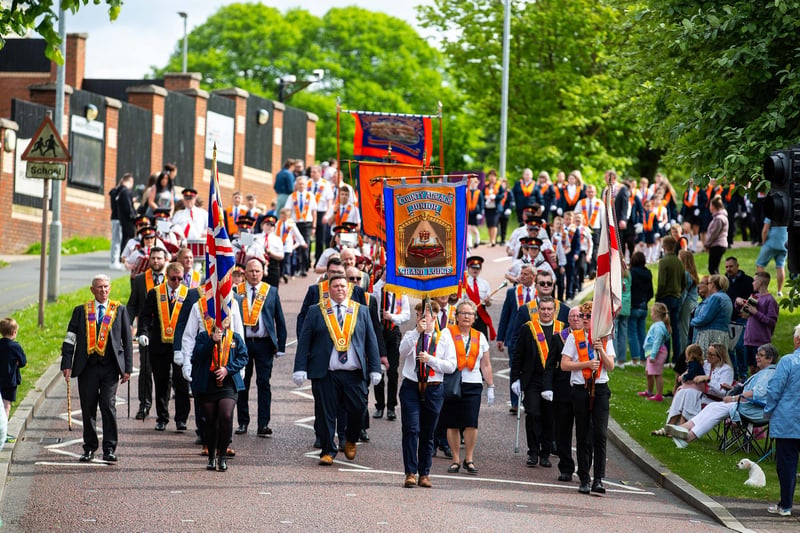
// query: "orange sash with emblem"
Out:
[301,216]
[96,341]
[149,282]
[539,337]
[219,358]
[527,190]
[341,335]
[472,199]
[250,316]
[169,320]
[466,359]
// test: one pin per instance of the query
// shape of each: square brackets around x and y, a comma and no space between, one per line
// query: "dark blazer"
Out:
[191,298]
[272,316]
[314,345]
[527,363]
[523,315]
[73,349]
[138,296]
[201,362]
[555,379]
[12,358]
[312,298]
[149,323]
[125,209]
[507,315]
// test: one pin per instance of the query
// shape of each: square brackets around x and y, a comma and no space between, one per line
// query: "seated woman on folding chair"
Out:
[749,402]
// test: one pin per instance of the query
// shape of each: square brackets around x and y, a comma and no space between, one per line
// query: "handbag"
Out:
[452,386]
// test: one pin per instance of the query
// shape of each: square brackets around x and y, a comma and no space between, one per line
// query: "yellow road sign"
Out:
[46,171]
[46,145]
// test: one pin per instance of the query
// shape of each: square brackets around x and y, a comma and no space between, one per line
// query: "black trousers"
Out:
[305,253]
[392,337]
[167,378]
[564,421]
[345,388]
[715,254]
[321,236]
[145,379]
[97,385]
[591,426]
[538,423]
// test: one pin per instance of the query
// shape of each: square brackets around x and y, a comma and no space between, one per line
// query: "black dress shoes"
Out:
[532,461]
[363,437]
[598,487]
[446,451]
[109,457]
[222,464]
[264,431]
[86,457]
[161,426]
[565,477]
[545,462]
[141,415]
[212,463]
[241,430]
[378,413]
[198,440]
[180,426]
[318,443]
[584,488]
[391,415]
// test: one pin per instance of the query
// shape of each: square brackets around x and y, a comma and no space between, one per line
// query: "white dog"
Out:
[757,478]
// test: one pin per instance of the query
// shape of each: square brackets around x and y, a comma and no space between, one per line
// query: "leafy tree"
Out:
[563,110]
[19,17]
[718,83]
[372,61]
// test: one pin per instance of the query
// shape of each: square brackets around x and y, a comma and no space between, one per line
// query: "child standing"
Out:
[655,349]
[12,358]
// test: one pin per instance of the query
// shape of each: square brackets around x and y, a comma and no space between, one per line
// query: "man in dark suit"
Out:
[125,210]
[97,350]
[545,286]
[157,325]
[338,351]
[150,278]
[265,336]
[527,375]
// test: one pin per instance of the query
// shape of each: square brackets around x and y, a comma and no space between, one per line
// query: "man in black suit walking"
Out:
[338,351]
[97,350]
[265,336]
[158,321]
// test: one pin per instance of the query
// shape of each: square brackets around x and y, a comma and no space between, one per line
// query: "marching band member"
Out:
[478,292]
[302,206]
[192,221]
[272,247]
[166,232]
[233,213]
[292,239]
[344,236]
[137,261]
[141,221]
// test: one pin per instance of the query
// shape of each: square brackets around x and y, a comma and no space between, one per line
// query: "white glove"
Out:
[516,387]
[559,211]
[375,378]
[479,217]
[177,358]
[187,372]
[299,377]
[680,219]
[697,212]
[552,208]
[143,340]
[547,395]
[638,227]
[278,355]
[507,212]
[490,395]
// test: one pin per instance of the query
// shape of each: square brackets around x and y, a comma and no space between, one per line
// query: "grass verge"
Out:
[74,246]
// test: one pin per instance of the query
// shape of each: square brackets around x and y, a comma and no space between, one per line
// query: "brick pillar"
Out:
[112,134]
[181,81]
[200,106]
[152,97]
[7,128]
[311,138]
[277,137]
[45,94]
[239,128]
[74,60]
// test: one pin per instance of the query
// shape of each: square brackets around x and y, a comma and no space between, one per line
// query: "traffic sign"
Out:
[46,145]
[46,171]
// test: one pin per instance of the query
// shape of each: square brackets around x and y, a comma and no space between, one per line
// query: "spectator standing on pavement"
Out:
[97,350]
[641,294]
[712,316]
[126,214]
[689,296]
[716,239]
[783,397]
[655,349]
[284,183]
[671,286]
[12,358]
[761,312]
[621,320]
[774,247]
[740,285]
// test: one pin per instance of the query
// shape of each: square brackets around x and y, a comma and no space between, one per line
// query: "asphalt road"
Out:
[275,484]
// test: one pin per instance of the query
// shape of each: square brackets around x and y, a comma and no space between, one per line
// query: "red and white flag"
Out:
[608,285]
[220,256]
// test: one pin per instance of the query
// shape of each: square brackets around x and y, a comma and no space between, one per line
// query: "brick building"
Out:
[140,126]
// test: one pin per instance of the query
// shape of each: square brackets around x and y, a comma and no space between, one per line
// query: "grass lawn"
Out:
[74,246]
[43,345]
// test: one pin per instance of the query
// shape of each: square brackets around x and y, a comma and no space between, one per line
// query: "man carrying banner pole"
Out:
[589,356]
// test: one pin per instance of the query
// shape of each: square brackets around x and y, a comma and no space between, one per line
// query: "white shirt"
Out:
[196,219]
[483,287]
[323,193]
[272,244]
[195,325]
[259,331]
[597,207]
[443,362]
[309,206]
[474,375]
[401,311]
[352,359]
[571,351]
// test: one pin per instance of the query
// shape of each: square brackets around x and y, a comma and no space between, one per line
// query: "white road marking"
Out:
[291,342]
[55,463]
[502,259]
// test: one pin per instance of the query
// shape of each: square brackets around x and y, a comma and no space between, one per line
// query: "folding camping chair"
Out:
[748,435]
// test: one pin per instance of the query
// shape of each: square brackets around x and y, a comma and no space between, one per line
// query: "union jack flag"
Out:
[220,256]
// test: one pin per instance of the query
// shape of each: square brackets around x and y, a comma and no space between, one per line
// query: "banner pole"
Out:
[338,132]
[441,139]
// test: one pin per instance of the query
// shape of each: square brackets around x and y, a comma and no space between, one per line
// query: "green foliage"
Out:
[43,345]
[563,101]
[372,61]
[19,17]
[715,85]
[74,245]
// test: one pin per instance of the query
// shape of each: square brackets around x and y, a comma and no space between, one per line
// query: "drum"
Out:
[198,248]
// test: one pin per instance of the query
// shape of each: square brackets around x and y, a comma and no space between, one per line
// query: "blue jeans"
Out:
[636,333]
[418,423]
[621,338]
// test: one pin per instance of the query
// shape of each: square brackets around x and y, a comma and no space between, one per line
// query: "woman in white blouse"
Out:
[427,355]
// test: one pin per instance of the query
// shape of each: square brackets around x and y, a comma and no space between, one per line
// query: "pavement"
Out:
[275,484]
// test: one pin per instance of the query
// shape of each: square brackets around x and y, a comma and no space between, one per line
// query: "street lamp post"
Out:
[184,16]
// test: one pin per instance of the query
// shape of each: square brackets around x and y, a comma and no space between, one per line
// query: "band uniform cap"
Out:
[141,219]
[189,193]
[246,221]
[162,213]
[147,231]
[475,260]
[344,228]
[350,227]
[533,241]
[363,260]
[536,220]
[269,218]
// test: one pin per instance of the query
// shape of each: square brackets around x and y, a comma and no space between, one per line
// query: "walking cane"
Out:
[69,406]
[519,411]
[129,398]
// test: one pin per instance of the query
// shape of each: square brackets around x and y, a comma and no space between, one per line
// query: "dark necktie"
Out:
[101,312]
[171,297]
[342,355]
[527,294]
[300,199]
[589,213]
[443,320]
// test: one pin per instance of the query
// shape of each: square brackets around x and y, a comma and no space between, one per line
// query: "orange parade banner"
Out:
[370,192]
